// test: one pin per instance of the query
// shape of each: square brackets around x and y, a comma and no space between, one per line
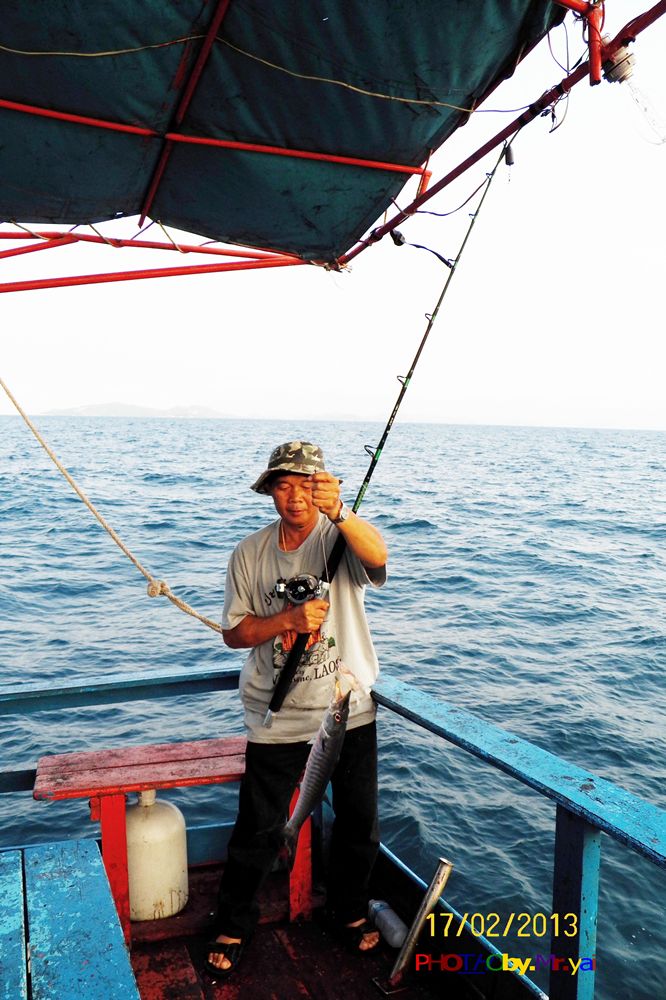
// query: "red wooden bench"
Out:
[105,776]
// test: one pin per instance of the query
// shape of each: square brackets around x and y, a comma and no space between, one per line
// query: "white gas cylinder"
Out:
[156,858]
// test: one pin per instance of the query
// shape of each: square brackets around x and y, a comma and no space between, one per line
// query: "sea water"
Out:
[527,585]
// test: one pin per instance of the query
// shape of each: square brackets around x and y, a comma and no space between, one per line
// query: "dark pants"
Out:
[271,773]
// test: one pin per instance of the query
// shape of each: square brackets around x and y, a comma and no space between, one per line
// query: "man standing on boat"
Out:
[259,616]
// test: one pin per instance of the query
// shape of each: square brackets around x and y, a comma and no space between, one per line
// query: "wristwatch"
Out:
[343,514]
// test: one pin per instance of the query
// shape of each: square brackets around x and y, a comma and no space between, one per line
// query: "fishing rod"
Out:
[288,671]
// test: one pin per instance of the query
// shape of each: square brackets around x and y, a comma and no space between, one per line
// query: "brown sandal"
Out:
[233,951]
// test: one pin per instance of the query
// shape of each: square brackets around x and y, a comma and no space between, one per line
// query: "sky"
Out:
[555,316]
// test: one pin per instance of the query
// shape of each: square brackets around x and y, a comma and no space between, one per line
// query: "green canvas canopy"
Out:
[288,126]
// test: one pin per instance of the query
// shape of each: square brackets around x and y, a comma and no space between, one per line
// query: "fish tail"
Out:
[290,840]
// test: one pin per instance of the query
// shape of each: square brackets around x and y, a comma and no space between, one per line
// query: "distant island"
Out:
[128,410]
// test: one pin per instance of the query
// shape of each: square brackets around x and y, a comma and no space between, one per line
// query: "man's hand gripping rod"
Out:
[296,652]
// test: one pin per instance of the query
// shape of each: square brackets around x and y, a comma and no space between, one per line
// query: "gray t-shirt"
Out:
[256,564]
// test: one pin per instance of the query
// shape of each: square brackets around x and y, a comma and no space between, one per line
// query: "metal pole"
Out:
[163,272]
[434,891]
[630,30]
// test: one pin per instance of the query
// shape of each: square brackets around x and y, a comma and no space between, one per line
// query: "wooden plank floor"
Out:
[282,962]
[287,962]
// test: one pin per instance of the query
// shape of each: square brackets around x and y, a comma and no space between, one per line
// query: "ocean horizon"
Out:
[195,412]
[527,582]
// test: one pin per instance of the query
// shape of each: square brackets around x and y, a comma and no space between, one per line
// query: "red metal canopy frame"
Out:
[249,258]
[184,104]
[243,260]
[607,51]
[202,140]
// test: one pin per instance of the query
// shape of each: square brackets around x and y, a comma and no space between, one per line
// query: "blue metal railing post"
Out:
[575,891]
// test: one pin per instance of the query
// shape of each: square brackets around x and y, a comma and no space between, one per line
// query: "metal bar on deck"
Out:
[575,906]
[428,903]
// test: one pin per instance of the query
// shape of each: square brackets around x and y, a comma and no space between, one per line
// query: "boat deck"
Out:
[283,961]
[298,961]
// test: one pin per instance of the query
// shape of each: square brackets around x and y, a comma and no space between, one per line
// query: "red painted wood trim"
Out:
[114,855]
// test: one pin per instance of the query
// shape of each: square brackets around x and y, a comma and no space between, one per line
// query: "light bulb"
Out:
[621,68]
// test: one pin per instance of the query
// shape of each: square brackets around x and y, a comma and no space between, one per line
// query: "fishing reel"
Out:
[300,589]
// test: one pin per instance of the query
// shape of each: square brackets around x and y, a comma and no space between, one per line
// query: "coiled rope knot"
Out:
[157,588]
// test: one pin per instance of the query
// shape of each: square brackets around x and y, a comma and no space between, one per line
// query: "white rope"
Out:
[156,588]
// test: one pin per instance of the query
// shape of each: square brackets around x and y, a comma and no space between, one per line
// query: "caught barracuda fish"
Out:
[321,763]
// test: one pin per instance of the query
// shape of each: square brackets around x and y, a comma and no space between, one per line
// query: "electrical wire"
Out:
[558,124]
[45,53]
[369,93]
[102,54]
[565,69]
[443,215]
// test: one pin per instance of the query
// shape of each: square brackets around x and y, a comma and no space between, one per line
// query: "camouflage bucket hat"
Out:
[294,456]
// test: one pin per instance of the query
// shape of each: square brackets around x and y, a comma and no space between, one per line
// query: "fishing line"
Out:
[288,671]
[326,576]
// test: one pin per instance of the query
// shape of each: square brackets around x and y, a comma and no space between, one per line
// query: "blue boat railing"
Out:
[586,804]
